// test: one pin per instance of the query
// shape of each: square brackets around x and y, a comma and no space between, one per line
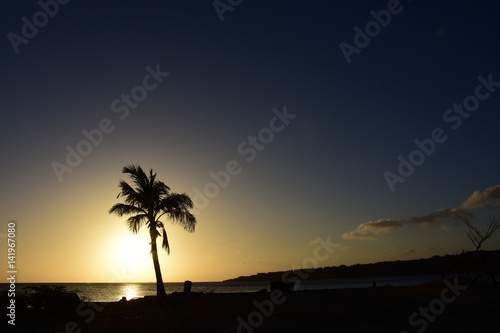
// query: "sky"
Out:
[369,124]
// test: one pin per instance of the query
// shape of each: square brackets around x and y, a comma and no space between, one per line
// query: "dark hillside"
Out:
[485,260]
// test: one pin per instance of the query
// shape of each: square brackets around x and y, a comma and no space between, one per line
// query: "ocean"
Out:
[110,292]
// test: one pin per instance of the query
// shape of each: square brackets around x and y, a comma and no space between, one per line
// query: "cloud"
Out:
[370,229]
[435,219]
[489,198]
[384,226]
[409,251]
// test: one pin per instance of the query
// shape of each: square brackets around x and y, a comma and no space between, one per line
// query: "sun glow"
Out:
[132,257]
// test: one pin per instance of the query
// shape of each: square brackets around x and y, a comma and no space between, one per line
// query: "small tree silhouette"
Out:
[475,268]
[478,237]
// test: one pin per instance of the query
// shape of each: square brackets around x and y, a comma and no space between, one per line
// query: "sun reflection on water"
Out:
[130,291]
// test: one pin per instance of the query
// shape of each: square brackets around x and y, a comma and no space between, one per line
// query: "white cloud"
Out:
[489,198]
[370,229]
[436,219]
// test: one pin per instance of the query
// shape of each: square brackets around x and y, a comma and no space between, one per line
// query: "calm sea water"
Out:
[109,292]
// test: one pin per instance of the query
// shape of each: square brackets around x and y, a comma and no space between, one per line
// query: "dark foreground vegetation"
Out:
[386,309]
[468,302]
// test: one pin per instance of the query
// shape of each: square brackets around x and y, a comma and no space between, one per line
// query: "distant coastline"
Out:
[435,265]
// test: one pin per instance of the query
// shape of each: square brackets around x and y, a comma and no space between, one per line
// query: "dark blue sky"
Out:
[323,174]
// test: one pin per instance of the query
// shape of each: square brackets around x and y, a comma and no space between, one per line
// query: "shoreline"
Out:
[381,309]
[111,292]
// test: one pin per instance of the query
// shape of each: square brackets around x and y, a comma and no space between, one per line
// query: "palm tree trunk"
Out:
[160,288]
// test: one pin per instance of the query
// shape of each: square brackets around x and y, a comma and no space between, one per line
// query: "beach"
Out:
[250,166]
[381,309]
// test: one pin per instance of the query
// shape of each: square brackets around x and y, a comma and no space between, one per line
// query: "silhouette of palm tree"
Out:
[147,201]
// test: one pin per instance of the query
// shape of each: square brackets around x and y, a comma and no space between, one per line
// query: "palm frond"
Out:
[138,175]
[189,222]
[147,199]
[124,209]
[180,201]
[135,222]
[176,207]
[183,218]
[164,242]
[126,190]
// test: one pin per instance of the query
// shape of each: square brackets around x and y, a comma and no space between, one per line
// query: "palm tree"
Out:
[147,201]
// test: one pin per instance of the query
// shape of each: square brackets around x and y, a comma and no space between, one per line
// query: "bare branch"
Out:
[478,237]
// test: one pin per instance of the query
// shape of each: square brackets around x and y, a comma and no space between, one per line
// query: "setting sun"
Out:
[227,165]
[131,254]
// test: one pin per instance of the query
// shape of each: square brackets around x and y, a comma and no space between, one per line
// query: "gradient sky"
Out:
[319,174]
